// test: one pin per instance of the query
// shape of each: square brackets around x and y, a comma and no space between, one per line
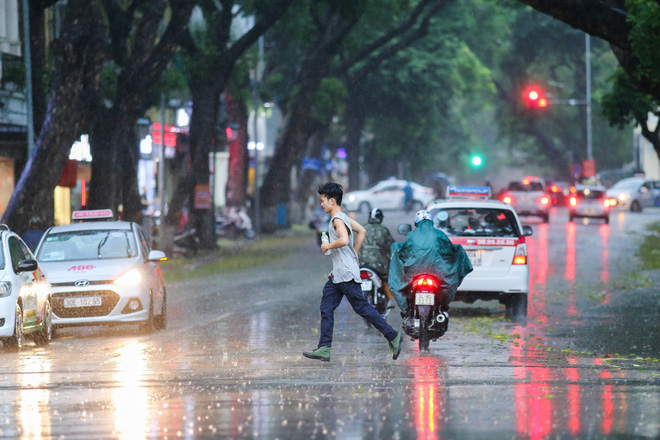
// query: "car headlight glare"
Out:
[130,278]
[5,288]
[351,198]
[624,196]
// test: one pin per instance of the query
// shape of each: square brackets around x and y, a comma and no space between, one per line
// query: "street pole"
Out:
[161,172]
[588,73]
[257,196]
[28,77]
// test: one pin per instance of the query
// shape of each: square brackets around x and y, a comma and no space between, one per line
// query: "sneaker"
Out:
[321,354]
[395,345]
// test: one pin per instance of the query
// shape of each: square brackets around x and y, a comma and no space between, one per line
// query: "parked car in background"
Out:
[528,197]
[589,201]
[25,309]
[633,193]
[386,194]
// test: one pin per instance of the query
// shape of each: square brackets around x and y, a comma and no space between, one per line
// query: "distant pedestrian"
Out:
[346,237]
[407,197]
[33,235]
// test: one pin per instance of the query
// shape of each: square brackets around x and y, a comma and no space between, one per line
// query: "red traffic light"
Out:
[535,97]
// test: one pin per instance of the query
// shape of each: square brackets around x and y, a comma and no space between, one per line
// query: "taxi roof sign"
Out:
[94,214]
[468,192]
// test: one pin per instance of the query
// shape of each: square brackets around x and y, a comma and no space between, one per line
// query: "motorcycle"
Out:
[425,321]
[319,223]
[236,223]
[186,243]
[372,287]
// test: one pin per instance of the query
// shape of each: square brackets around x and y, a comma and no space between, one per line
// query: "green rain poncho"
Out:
[427,250]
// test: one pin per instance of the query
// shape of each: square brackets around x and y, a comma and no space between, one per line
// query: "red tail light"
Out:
[430,282]
[545,200]
[573,201]
[364,274]
[520,257]
[507,199]
[606,203]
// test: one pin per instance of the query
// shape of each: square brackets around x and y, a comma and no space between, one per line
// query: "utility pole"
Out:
[257,196]
[590,155]
[27,53]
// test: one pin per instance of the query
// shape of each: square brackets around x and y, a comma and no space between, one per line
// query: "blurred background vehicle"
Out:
[528,197]
[387,194]
[589,201]
[558,192]
[633,193]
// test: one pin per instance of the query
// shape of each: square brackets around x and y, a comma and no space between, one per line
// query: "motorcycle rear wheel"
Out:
[423,334]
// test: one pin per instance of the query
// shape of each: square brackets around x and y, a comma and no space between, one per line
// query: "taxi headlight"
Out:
[351,198]
[624,196]
[5,288]
[130,278]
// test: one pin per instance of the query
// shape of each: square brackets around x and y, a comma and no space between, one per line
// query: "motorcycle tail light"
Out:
[364,274]
[428,282]
[520,257]
[573,201]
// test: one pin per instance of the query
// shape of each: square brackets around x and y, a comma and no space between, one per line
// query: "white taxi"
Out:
[103,271]
[25,309]
[494,239]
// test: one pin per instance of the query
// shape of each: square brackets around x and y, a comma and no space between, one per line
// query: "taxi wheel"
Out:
[364,208]
[160,321]
[15,342]
[545,218]
[516,307]
[635,206]
[147,327]
[43,338]
[606,219]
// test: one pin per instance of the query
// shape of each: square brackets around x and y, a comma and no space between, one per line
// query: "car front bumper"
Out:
[114,304]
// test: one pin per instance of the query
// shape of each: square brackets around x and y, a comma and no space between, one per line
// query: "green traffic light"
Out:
[476,161]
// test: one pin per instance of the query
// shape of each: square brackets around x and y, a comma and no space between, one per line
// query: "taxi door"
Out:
[27,288]
[153,272]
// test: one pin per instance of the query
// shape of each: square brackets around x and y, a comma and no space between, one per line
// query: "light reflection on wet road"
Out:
[229,365]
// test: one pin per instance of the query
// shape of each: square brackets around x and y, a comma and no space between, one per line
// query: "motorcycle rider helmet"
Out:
[376,216]
[422,215]
[35,222]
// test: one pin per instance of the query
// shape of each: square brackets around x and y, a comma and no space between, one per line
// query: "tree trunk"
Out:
[355,121]
[237,114]
[78,59]
[203,131]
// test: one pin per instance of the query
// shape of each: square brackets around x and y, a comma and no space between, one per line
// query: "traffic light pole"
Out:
[588,73]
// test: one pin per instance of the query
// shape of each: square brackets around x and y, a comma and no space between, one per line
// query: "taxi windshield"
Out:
[475,222]
[88,245]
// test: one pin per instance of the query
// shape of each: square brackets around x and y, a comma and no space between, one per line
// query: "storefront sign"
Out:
[203,198]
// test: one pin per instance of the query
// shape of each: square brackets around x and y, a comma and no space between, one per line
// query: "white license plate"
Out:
[475,257]
[367,285]
[86,301]
[424,299]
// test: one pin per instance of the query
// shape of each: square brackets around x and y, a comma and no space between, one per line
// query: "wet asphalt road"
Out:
[229,364]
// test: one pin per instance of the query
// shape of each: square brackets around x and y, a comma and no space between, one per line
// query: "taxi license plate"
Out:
[86,301]
[367,284]
[475,257]
[424,299]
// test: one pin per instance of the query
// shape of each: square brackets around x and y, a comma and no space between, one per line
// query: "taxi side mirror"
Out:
[404,228]
[527,231]
[27,266]
[157,256]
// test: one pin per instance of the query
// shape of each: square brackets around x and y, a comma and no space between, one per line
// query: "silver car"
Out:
[634,193]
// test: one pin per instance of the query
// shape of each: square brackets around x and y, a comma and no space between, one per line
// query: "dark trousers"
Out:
[332,295]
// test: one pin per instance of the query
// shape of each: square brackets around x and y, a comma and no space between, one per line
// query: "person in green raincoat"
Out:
[427,250]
